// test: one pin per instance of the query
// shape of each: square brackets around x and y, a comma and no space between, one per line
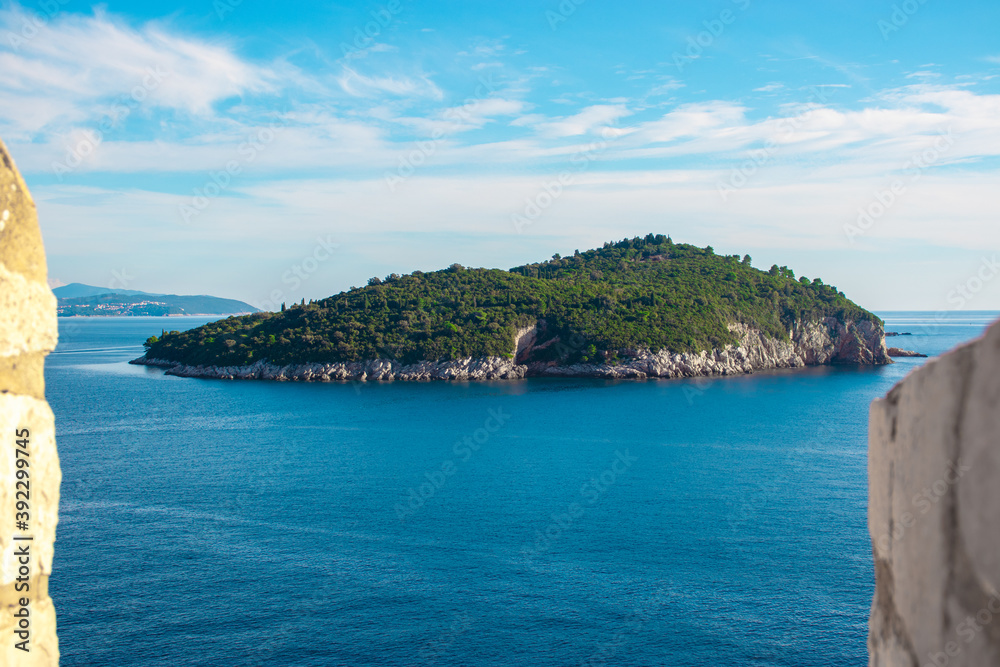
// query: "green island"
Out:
[639,293]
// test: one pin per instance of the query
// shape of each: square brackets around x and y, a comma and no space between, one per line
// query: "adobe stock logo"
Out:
[299,273]
[884,199]
[220,181]
[714,29]
[967,630]
[434,480]
[120,110]
[364,36]
[551,190]
[590,493]
[566,9]
[928,497]
[31,25]
[901,15]
[967,291]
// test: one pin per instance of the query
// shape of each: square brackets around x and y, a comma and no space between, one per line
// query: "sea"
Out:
[536,522]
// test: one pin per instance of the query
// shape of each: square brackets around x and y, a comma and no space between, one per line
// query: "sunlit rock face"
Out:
[813,343]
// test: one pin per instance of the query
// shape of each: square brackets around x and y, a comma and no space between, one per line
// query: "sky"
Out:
[271,152]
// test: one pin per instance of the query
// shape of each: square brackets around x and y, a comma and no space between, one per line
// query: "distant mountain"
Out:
[75,290]
[77,299]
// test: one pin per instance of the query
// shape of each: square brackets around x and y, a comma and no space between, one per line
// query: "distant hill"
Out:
[81,300]
[76,290]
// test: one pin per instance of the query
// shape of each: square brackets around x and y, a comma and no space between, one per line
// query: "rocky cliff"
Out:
[828,341]
[27,334]
[934,513]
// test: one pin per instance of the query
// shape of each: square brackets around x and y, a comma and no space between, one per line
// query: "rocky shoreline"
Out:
[814,343]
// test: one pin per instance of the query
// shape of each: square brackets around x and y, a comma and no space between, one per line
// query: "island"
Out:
[639,308]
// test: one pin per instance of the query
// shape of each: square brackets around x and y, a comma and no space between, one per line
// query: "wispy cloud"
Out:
[359,121]
[691,120]
[75,66]
[361,85]
[483,123]
[585,122]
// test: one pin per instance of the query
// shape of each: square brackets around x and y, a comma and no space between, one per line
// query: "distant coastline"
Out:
[69,317]
[79,300]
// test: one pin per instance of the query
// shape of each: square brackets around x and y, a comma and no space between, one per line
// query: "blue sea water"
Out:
[537,522]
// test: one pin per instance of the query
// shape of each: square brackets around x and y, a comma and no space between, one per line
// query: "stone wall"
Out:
[27,334]
[934,513]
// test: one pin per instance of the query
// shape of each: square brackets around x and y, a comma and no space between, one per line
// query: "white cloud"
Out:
[588,120]
[377,47]
[778,211]
[872,140]
[238,246]
[667,88]
[528,120]
[478,112]
[691,120]
[487,48]
[473,114]
[347,130]
[361,85]
[75,65]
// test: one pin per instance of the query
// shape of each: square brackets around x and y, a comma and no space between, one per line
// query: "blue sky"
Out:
[270,152]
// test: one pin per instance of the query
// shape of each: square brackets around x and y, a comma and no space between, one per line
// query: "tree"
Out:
[557,257]
[282,306]
[746,260]
[374,280]
[774,270]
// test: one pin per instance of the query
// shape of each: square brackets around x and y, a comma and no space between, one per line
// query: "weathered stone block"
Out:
[27,333]
[934,512]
